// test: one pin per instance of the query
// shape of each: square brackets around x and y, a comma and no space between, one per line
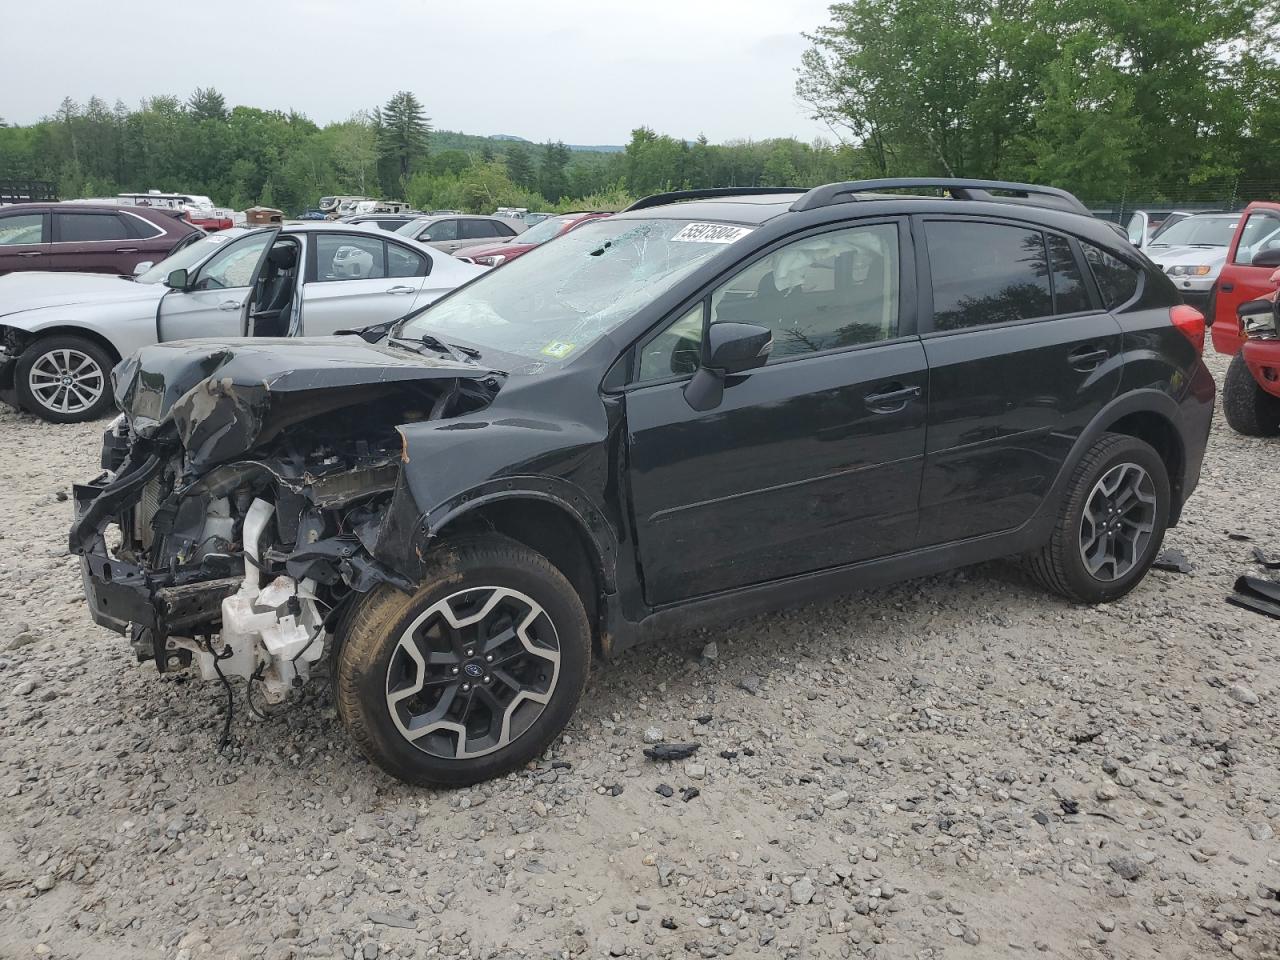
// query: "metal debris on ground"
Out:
[1173,560]
[1263,559]
[1260,596]
[671,751]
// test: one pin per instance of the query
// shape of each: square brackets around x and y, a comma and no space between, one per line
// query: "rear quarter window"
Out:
[1117,280]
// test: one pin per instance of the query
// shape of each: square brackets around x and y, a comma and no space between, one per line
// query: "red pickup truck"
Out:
[1244,312]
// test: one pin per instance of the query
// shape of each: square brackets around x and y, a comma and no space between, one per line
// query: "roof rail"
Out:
[675,196]
[1027,193]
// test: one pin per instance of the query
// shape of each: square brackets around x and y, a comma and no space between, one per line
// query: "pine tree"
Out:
[552,182]
[403,137]
[519,166]
[206,103]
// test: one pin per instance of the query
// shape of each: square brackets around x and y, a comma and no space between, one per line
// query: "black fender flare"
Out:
[597,532]
[1145,400]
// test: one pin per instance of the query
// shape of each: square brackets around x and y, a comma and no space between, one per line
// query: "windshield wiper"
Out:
[432,342]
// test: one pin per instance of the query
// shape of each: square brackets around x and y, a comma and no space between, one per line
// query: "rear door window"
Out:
[1117,280]
[479,229]
[345,256]
[87,227]
[985,273]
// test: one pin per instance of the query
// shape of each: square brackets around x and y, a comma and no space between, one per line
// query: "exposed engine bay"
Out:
[250,492]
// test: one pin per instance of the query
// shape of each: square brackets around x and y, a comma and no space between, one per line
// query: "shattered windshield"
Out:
[560,298]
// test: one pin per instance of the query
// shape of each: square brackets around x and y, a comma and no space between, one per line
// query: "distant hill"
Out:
[453,140]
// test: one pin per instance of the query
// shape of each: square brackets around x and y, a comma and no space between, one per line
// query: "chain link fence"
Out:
[1225,195]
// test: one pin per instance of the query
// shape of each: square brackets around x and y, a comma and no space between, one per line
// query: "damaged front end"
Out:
[250,491]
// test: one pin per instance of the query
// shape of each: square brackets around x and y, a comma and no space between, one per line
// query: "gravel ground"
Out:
[959,766]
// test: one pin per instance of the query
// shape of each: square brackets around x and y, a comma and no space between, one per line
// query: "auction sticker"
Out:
[558,349]
[711,233]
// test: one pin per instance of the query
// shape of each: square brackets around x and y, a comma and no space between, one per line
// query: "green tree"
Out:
[206,103]
[519,165]
[552,181]
[403,138]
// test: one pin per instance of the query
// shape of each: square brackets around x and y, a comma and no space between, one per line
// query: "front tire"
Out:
[474,674]
[64,379]
[1110,524]
[1249,409]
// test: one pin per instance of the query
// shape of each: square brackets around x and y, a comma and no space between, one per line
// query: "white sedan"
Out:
[61,333]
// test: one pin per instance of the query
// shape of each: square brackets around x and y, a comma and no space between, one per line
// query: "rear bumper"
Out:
[1262,357]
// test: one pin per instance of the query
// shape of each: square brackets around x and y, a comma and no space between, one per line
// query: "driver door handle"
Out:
[32,253]
[230,305]
[891,400]
[400,288]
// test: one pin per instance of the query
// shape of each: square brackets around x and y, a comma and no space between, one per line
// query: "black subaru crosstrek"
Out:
[711,404]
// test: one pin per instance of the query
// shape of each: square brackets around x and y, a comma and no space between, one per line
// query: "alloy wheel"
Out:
[1119,518]
[66,380]
[473,672]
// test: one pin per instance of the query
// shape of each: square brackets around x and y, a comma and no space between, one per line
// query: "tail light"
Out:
[1190,323]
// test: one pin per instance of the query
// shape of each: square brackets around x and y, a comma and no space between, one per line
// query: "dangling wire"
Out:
[231,698]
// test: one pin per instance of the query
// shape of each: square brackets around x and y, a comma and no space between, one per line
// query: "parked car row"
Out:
[93,238]
[62,333]
[459,509]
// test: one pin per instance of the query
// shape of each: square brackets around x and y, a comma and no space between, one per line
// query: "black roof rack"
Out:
[1027,193]
[675,196]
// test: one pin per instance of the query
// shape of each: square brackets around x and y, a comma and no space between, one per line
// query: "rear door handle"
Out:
[400,288]
[1226,287]
[126,249]
[891,400]
[1087,357]
[230,305]
[32,253]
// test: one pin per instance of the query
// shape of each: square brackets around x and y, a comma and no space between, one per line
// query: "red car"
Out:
[88,238]
[1251,391]
[496,254]
[1242,307]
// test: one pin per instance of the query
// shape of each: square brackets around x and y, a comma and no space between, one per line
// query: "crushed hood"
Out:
[37,290]
[224,397]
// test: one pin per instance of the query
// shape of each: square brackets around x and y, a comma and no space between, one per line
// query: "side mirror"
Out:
[176,280]
[1267,258]
[142,268]
[732,349]
[1259,318]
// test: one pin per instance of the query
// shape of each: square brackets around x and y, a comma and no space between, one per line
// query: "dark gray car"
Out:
[456,232]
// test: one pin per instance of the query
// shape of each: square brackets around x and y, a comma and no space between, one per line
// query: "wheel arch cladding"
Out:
[1159,432]
[548,528]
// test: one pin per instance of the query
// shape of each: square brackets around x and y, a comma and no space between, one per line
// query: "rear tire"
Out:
[409,666]
[64,379]
[1089,558]
[1249,409]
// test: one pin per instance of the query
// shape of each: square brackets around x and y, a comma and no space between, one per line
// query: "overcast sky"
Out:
[582,72]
